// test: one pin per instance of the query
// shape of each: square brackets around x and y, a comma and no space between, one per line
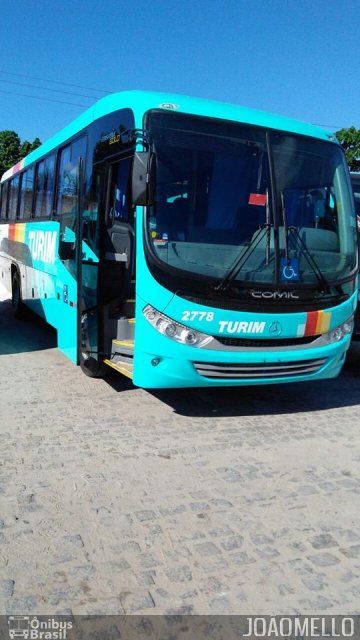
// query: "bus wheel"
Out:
[17,303]
[90,366]
[93,368]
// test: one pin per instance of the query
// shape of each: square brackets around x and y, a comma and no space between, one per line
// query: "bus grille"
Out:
[265,342]
[258,370]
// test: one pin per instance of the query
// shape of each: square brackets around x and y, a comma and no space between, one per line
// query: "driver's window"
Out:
[91,217]
[119,196]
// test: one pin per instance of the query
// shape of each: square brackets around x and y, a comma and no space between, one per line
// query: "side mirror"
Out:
[66,250]
[143,178]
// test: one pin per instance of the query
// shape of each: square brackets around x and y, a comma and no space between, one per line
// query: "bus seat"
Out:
[320,239]
[314,239]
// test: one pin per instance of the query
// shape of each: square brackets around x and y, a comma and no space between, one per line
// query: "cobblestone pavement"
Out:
[117,500]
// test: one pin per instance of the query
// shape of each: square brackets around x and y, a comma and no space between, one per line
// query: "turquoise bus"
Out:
[355,181]
[186,243]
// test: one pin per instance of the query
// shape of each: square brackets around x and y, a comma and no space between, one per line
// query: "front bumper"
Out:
[157,368]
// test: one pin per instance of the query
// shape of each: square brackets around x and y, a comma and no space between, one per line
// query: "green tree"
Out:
[9,149]
[26,147]
[12,150]
[350,142]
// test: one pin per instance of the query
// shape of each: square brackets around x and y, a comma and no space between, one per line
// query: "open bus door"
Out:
[68,206]
[107,270]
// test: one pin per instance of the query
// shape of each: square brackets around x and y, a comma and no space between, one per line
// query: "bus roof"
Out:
[142,101]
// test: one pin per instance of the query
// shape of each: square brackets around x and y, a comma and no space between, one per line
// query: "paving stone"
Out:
[351,552]
[27,604]
[323,541]
[146,578]
[181,610]
[314,582]
[267,552]
[235,542]
[242,558]
[118,501]
[171,511]
[220,606]
[324,559]
[207,549]
[321,603]
[199,506]
[7,587]
[178,574]
[143,516]
[259,538]
[133,603]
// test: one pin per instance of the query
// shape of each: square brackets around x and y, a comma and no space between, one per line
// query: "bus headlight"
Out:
[341,331]
[175,330]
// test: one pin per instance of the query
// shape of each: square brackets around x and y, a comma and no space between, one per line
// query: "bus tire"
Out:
[16,299]
[93,368]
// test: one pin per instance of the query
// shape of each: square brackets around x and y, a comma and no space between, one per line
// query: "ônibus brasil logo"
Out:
[31,628]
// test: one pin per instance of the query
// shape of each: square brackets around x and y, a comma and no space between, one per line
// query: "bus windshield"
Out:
[355,180]
[236,201]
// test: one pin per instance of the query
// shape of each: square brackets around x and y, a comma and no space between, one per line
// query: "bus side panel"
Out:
[52,285]
[5,259]
[48,284]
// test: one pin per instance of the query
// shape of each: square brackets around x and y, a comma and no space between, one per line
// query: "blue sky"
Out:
[299,58]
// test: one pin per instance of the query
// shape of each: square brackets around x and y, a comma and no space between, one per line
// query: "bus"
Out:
[186,243]
[355,181]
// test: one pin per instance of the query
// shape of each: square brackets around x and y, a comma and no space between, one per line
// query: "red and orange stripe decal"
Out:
[17,232]
[317,322]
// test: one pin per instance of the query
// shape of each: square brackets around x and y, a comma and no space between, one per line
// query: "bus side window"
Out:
[67,191]
[4,193]
[67,196]
[91,222]
[39,188]
[13,197]
[44,187]
[26,194]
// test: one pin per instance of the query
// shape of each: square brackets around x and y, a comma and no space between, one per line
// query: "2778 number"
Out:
[197,315]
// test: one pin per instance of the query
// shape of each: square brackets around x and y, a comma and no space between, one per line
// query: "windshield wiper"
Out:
[286,228]
[301,246]
[241,260]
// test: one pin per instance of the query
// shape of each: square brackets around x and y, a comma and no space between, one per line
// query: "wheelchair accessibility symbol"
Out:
[289,269]
[289,272]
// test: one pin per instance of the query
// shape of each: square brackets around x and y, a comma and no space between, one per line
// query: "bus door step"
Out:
[122,367]
[122,357]
[125,329]
[123,348]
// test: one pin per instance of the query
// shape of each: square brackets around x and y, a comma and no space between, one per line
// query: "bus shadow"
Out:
[28,334]
[269,399]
